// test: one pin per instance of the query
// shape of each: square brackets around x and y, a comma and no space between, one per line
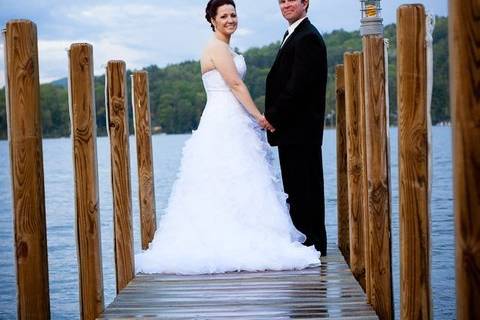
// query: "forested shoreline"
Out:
[177,97]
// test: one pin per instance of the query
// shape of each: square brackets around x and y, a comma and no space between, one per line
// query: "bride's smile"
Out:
[225,21]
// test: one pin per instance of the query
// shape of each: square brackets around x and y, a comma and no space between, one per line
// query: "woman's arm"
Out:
[223,61]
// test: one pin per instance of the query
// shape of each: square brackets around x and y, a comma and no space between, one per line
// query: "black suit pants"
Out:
[302,175]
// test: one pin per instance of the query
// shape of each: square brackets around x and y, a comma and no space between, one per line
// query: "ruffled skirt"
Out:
[227,210]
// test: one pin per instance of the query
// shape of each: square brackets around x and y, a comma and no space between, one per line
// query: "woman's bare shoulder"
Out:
[215,47]
[210,54]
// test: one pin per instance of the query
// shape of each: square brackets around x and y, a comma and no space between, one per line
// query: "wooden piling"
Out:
[379,207]
[366,225]
[464,42]
[414,163]
[117,121]
[342,176]
[84,135]
[22,92]
[146,188]
[356,163]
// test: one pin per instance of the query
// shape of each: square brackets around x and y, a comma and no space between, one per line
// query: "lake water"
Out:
[62,258]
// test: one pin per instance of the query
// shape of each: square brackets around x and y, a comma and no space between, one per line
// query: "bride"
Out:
[227,211]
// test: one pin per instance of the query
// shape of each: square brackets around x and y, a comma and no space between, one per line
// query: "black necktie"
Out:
[284,37]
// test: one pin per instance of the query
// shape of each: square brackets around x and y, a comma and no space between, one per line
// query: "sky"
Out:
[163,32]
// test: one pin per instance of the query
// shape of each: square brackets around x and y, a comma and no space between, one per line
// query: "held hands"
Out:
[263,122]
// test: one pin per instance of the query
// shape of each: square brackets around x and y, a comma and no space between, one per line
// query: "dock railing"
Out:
[414,65]
[362,152]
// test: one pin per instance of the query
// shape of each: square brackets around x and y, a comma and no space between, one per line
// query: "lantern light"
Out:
[372,22]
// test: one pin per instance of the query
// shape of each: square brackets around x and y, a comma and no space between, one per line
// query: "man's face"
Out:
[292,10]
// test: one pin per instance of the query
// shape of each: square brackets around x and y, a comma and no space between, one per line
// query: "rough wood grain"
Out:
[356,163]
[84,135]
[414,163]
[329,291]
[379,207]
[342,175]
[366,225]
[464,42]
[146,188]
[117,120]
[26,160]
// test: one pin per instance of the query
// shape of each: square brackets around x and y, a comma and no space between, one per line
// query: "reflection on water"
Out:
[167,151]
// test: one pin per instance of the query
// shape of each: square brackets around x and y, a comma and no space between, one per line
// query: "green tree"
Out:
[177,96]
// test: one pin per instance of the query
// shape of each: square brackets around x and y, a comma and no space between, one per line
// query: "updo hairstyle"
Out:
[212,7]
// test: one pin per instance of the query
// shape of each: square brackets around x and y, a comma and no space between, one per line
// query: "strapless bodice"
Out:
[213,80]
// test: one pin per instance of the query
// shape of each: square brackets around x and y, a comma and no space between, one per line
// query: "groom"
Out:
[295,107]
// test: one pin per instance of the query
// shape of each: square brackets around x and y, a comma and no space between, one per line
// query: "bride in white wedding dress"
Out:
[227,210]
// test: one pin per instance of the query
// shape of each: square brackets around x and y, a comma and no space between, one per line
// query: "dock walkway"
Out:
[329,291]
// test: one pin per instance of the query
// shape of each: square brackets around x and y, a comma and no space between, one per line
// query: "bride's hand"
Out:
[263,122]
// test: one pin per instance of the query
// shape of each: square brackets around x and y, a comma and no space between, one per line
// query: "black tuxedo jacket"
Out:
[295,89]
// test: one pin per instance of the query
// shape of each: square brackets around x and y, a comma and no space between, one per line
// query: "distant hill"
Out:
[177,97]
[61,83]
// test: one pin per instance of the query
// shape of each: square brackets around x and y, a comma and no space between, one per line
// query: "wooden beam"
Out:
[464,42]
[356,163]
[146,187]
[22,92]
[379,207]
[87,209]
[414,163]
[117,121]
[342,176]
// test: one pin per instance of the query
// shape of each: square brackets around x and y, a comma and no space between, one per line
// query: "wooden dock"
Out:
[329,291]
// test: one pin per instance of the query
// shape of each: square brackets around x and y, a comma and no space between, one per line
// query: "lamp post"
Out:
[378,223]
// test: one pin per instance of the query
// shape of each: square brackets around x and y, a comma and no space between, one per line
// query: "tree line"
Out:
[177,97]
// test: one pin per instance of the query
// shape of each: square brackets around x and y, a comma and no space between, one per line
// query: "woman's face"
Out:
[226,19]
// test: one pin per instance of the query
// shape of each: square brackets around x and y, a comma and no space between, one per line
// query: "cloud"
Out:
[242,32]
[148,32]
[53,56]
[52,59]
[105,49]
[130,15]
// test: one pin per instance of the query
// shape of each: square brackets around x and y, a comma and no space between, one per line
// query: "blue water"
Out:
[62,260]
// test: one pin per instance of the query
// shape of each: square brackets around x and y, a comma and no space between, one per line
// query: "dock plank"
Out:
[325,292]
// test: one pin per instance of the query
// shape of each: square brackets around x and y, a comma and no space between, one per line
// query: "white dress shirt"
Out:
[292,28]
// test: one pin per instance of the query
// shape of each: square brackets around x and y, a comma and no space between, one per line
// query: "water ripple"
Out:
[63,270]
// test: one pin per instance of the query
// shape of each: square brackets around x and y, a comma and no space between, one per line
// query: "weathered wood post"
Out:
[414,163]
[356,163]
[342,176]
[22,93]
[464,42]
[146,188]
[117,122]
[379,207]
[84,137]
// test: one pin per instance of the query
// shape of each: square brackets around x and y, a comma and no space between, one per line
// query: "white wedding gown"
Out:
[227,210]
